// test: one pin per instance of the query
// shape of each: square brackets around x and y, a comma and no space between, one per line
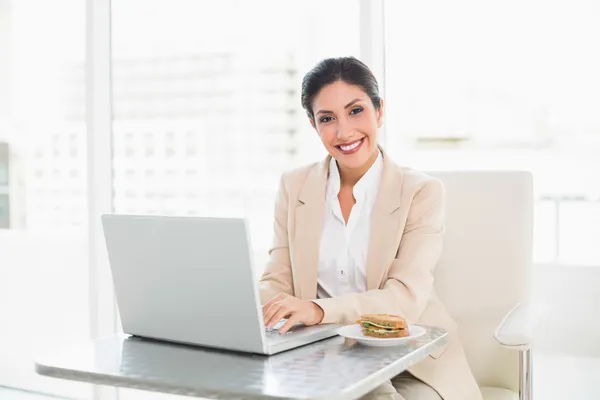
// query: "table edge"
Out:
[355,391]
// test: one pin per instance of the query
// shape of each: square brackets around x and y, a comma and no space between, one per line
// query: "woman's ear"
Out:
[312,123]
[380,114]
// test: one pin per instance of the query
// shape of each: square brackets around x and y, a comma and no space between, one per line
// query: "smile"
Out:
[351,147]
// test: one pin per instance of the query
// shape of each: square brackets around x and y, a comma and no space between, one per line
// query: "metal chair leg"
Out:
[525,375]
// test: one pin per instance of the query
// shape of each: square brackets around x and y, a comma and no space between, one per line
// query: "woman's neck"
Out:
[349,176]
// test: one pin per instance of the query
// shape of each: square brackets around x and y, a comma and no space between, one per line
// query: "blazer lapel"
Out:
[309,224]
[308,228]
[385,221]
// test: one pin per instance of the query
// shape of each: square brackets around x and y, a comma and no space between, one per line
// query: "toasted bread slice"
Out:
[386,321]
[390,334]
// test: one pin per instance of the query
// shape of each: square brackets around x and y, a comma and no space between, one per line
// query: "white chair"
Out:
[484,276]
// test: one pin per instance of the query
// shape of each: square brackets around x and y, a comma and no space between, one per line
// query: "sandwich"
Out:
[383,325]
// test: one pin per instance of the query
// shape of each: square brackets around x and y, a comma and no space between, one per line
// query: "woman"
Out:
[357,234]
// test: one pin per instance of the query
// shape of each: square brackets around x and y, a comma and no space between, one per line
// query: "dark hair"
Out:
[330,70]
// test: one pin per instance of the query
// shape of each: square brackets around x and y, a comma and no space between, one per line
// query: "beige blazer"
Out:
[405,245]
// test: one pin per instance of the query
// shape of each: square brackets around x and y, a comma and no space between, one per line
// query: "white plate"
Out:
[355,332]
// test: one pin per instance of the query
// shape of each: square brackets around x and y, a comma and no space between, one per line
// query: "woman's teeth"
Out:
[352,146]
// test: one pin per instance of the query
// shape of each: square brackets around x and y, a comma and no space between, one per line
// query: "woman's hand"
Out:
[292,308]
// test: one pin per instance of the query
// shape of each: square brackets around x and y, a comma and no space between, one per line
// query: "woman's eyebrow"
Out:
[331,112]
[352,102]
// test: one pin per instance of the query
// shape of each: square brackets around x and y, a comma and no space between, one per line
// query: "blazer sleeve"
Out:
[277,276]
[409,282]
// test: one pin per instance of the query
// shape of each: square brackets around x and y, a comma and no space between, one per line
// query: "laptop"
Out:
[190,280]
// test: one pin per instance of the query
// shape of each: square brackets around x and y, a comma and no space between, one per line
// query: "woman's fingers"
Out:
[284,311]
[292,320]
[268,316]
[275,299]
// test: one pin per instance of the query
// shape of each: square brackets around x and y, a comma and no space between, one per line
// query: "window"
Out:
[219,90]
[43,273]
[4,165]
[510,85]
[4,212]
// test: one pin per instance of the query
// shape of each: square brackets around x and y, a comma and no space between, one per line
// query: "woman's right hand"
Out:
[295,310]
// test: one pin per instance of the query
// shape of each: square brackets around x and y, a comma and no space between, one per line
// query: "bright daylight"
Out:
[342,199]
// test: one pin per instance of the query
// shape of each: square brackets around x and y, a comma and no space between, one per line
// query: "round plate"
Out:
[355,332]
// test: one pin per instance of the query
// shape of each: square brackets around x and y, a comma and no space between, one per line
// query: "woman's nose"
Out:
[344,131]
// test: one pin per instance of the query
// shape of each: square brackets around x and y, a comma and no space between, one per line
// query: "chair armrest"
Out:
[517,329]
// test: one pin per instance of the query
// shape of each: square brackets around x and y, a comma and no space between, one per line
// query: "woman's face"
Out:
[347,122]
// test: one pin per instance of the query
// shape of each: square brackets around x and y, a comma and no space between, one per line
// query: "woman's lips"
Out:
[350,148]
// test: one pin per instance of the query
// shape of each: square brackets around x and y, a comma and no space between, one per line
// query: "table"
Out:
[335,368]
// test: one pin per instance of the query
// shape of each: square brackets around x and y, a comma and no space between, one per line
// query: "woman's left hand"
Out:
[292,308]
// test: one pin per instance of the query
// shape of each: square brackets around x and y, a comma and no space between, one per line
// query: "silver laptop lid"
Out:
[185,279]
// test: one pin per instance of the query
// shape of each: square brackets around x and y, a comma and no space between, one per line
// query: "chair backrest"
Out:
[485,268]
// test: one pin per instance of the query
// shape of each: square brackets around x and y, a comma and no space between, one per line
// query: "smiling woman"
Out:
[339,225]
[348,130]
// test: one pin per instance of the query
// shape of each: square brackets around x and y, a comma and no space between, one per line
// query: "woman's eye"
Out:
[356,110]
[324,120]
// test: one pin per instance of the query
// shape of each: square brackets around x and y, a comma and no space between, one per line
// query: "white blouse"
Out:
[343,249]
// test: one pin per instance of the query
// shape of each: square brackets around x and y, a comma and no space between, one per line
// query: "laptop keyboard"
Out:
[274,332]
[297,331]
